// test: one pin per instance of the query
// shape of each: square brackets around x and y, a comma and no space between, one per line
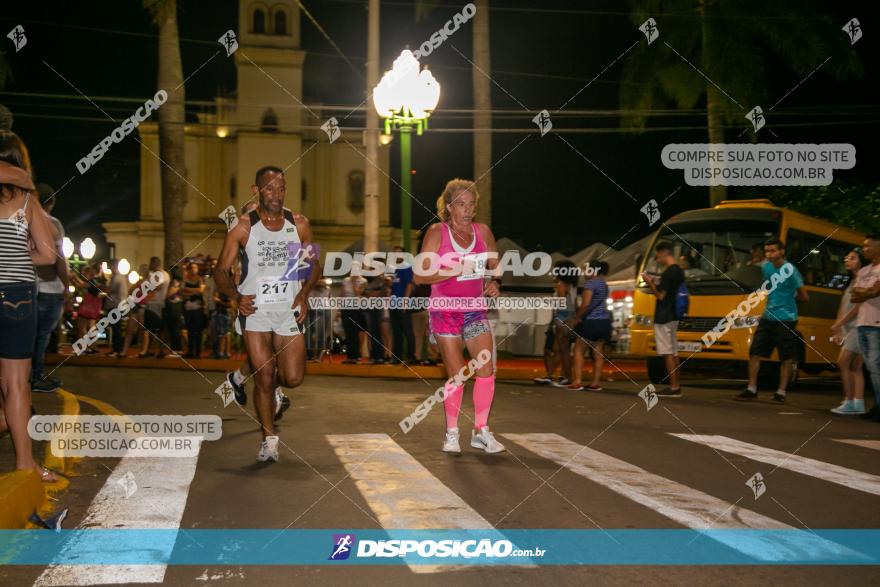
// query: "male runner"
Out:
[271,310]
[237,378]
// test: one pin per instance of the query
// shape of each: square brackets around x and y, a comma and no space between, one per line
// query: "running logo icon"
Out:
[648,394]
[756,117]
[128,484]
[543,121]
[229,42]
[225,392]
[854,30]
[299,261]
[757,485]
[19,219]
[342,545]
[16,35]
[652,211]
[331,127]
[229,217]
[649,28]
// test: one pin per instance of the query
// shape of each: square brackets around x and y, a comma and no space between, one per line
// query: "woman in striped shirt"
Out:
[25,241]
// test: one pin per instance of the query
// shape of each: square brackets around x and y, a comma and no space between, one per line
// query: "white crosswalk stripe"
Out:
[401,491]
[803,465]
[872,444]
[158,502]
[689,507]
[404,494]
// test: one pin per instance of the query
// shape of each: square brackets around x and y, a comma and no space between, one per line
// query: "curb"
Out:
[21,494]
[523,372]
[62,464]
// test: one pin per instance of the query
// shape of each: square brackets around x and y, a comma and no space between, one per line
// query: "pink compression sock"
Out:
[452,405]
[484,391]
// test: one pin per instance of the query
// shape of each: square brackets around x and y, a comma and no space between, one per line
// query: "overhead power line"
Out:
[525,130]
[836,110]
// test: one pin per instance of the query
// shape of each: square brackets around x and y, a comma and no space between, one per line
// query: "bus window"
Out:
[716,256]
[819,259]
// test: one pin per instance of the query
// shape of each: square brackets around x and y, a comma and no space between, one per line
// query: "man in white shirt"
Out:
[52,283]
[866,293]
[155,306]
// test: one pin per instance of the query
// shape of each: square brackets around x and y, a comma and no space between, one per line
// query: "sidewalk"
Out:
[23,493]
[510,369]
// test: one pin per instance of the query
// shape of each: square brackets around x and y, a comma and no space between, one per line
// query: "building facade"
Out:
[263,123]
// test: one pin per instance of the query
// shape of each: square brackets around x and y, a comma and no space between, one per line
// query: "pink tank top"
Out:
[462,286]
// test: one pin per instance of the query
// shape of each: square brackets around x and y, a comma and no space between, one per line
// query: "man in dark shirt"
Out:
[401,324]
[665,321]
[376,288]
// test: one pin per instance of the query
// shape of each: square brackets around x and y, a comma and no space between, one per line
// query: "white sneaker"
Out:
[451,443]
[269,449]
[844,405]
[851,408]
[484,440]
[282,403]
[561,382]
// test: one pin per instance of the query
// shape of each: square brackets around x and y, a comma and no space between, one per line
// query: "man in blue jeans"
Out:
[52,282]
[866,293]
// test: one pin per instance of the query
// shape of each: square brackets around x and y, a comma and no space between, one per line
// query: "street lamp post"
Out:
[405,98]
[86,248]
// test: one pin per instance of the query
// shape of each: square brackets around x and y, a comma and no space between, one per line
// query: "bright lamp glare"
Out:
[405,90]
[133,277]
[87,248]
[123,266]
[67,247]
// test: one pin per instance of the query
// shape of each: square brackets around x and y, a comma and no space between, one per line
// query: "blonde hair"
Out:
[453,186]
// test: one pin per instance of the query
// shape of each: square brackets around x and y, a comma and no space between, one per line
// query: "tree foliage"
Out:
[853,205]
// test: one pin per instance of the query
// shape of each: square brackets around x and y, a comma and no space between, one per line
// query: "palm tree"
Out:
[482,107]
[482,102]
[729,42]
[5,74]
[171,127]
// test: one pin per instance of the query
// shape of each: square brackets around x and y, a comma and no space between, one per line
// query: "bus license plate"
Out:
[690,347]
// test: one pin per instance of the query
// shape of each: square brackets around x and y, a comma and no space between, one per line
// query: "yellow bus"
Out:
[714,247]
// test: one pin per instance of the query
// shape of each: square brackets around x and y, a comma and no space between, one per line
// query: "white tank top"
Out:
[265,263]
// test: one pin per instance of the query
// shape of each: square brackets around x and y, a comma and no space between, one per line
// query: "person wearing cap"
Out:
[52,283]
[25,241]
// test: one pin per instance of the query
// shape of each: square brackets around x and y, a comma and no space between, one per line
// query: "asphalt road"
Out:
[624,469]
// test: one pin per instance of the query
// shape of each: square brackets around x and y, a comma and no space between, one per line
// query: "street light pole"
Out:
[405,98]
[406,185]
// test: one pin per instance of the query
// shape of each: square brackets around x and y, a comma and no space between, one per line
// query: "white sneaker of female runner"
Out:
[484,440]
[451,443]
[269,449]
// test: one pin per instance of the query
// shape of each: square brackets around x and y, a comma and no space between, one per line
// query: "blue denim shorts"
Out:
[18,320]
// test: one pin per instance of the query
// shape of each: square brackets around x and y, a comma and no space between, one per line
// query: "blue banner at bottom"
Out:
[440,547]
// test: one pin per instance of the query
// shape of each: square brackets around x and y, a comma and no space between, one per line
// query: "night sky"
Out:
[545,195]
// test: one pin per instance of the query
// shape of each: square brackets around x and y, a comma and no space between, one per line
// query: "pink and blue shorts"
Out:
[467,325]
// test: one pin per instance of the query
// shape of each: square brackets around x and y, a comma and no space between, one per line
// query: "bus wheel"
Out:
[656,370]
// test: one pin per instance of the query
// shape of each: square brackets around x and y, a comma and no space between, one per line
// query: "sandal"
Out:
[47,476]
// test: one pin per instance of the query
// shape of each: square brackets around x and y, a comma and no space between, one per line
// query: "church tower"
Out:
[263,123]
[268,104]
